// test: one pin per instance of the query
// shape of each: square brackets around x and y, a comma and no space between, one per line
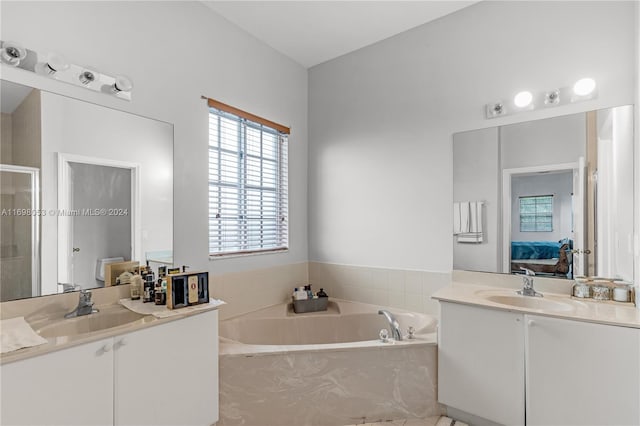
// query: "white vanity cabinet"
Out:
[481,362]
[168,375]
[572,372]
[161,375]
[580,373]
[72,386]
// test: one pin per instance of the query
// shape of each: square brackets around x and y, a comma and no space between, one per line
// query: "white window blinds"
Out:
[248,200]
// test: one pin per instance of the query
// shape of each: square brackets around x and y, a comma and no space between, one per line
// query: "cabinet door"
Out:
[168,374]
[69,387]
[580,373]
[481,362]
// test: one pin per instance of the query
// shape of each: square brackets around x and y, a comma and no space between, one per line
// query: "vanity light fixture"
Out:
[584,89]
[56,63]
[88,76]
[552,97]
[12,53]
[495,109]
[523,99]
[122,84]
[55,66]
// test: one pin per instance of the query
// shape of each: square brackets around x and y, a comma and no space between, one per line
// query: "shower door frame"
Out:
[35,221]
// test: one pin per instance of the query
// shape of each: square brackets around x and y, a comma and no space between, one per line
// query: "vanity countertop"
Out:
[63,342]
[552,304]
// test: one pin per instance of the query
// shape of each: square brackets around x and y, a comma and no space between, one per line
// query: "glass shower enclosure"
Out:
[20,232]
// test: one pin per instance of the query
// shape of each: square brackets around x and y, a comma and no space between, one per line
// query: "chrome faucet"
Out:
[395,327]
[527,288]
[85,305]
[69,287]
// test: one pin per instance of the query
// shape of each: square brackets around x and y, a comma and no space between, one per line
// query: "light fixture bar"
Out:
[583,90]
[56,67]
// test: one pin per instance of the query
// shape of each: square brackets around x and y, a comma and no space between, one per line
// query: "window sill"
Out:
[246,254]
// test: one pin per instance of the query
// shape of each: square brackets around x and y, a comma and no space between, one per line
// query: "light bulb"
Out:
[122,84]
[523,99]
[12,53]
[584,86]
[56,63]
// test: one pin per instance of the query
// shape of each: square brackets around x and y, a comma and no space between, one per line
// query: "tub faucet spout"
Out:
[395,327]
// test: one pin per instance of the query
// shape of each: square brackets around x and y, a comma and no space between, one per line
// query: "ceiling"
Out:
[312,32]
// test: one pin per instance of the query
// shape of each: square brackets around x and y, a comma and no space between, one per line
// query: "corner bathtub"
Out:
[278,368]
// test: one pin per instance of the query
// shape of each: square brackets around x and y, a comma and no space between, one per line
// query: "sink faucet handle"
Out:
[528,272]
[85,296]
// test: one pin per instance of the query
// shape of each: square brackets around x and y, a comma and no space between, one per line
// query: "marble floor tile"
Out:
[429,421]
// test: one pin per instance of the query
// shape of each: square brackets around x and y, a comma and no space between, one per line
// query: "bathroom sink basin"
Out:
[539,303]
[108,317]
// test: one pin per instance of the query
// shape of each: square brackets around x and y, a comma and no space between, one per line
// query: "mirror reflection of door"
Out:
[542,221]
[99,193]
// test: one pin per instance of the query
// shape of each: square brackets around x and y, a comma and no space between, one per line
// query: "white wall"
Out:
[381,118]
[175,52]
[560,185]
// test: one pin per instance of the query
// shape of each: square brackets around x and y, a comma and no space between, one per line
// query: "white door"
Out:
[579,225]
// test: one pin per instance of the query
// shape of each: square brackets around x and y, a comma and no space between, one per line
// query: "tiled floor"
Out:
[429,421]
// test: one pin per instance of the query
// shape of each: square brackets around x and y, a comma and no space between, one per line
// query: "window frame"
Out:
[243,240]
[537,214]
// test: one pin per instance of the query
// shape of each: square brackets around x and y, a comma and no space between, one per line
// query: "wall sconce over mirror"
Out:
[583,90]
[56,66]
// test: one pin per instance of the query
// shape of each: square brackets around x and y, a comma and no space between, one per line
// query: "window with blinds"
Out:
[536,213]
[248,201]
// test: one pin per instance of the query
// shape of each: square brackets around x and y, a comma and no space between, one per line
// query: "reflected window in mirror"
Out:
[536,213]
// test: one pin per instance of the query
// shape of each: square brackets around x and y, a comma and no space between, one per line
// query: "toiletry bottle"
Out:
[321,293]
[136,287]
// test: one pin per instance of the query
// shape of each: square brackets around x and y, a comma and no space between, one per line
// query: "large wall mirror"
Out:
[555,196]
[82,185]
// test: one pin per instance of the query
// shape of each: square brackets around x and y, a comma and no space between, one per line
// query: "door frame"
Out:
[65,249]
[507,174]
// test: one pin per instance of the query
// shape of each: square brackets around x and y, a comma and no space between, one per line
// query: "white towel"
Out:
[460,217]
[473,232]
[16,333]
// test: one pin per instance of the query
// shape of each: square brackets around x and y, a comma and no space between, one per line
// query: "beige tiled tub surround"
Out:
[251,290]
[316,382]
[396,288]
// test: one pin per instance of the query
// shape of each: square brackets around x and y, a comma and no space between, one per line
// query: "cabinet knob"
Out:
[531,323]
[120,343]
[104,349]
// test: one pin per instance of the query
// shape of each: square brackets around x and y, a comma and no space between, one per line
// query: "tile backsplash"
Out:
[396,288]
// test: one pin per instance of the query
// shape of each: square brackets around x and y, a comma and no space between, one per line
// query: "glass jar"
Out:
[581,289]
[601,291]
[622,293]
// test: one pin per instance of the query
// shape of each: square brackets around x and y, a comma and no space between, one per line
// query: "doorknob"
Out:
[576,251]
